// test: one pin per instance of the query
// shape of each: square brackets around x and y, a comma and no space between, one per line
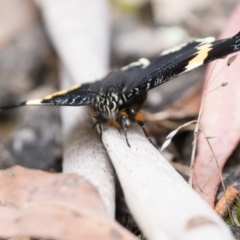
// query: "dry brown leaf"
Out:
[221,119]
[57,206]
[19,238]
[185,107]
[189,103]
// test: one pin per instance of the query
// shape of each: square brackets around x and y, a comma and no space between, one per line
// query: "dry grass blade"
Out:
[173,133]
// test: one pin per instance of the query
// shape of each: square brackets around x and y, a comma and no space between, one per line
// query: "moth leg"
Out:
[139,118]
[94,125]
[141,124]
[98,122]
[100,129]
[123,121]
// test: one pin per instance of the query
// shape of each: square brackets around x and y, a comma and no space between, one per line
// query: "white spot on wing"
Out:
[206,40]
[34,102]
[180,46]
[174,49]
[148,86]
[142,62]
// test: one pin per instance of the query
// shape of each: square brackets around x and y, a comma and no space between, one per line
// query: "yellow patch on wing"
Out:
[201,56]
[62,92]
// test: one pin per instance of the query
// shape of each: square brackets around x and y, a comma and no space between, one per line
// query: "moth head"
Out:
[107,105]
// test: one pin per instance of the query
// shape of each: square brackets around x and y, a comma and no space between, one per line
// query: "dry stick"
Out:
[66,21]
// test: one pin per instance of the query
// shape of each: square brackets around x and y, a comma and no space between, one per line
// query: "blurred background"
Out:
[139,28]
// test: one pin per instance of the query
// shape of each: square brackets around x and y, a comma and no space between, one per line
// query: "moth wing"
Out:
[144,66]
[176,62]
[77,95]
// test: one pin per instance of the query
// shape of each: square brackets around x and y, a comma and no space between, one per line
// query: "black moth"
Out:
[118,97]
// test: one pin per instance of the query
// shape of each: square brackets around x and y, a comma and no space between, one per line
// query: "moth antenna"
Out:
[20,104]
[90,91]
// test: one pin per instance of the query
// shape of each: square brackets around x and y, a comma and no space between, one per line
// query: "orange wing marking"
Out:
[114,123]
[139,117]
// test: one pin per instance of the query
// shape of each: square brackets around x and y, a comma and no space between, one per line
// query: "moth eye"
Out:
[111,105]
